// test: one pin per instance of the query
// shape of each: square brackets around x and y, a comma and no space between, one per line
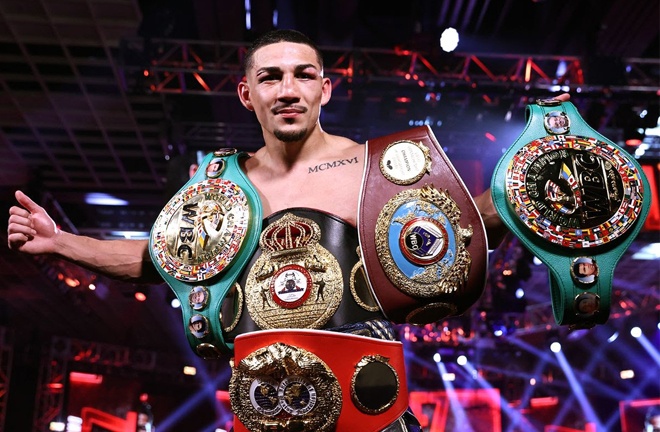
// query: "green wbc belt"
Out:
[200,243]
[574,199]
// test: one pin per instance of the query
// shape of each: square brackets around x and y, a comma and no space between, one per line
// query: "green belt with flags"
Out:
[576,200]
[200,243]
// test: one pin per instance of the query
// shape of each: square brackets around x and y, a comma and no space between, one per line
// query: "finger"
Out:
[564,97]
[15,241]
[20,227]
[26,202]
[19,212]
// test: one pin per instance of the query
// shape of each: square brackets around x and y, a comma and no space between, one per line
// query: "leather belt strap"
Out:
[201,242]
[576,200]
[410,168]
[341,381]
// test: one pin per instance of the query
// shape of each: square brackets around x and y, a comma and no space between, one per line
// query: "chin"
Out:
[290,135]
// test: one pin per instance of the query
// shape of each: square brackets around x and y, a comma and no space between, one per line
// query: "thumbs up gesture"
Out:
[30,229]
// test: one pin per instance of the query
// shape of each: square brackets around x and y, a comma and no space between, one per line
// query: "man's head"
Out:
[284,85]
[275,36]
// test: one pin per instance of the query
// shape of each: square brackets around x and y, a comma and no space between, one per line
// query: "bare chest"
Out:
[330,188]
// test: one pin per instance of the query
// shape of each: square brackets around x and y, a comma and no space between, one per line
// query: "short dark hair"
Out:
[275,36]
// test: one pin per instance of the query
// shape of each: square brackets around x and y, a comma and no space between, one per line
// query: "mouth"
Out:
[289,111]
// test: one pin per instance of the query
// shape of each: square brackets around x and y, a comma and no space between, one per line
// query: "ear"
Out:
[244,95]
[326,91]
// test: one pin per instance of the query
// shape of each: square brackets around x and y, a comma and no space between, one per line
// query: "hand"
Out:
[30,228]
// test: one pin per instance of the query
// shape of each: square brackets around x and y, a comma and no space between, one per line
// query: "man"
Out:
[286,88]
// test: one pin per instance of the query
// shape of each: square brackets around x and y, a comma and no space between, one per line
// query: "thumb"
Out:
[26,202]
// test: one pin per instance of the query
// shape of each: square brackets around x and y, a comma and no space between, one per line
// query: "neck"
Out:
[282,155]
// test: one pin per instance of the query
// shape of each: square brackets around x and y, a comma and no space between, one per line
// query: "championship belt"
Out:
[200,243]
[422,239]
[312,380]
[576,200]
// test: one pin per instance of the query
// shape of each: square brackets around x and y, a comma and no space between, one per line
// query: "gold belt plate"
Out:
[295,282]
[201,229]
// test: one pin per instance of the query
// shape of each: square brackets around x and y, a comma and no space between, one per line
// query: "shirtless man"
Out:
[286,88]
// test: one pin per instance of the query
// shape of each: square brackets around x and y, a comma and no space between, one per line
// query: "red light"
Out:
[145,72]
[490,136]
[543,401]
[633,142]
[72,282]
[55,386]
[403,99]
[85,378]
[144,397]
[140,296]
[222,395]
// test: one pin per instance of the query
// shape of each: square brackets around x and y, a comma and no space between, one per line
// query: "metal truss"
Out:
[214,68]
[6,351]
[56,365]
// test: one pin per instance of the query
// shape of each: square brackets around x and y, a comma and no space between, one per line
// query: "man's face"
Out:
[586,269]
[197,297]
[286,90]
[557,122]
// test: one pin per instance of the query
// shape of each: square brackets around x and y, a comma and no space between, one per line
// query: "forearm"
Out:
[119,259]
[496,230]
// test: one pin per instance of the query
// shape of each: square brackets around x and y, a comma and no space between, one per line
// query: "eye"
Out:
[265,78]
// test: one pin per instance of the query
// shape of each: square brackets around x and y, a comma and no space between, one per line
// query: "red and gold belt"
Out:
[312,380]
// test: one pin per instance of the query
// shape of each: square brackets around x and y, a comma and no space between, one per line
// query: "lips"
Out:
[289,110]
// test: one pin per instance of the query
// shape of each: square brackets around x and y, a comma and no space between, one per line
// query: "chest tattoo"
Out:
[329,165]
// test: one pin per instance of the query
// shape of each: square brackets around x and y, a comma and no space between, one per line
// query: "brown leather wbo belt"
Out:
[422,240]
[314,380]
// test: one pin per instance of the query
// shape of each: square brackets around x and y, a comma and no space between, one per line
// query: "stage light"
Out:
[91,287]
[97,198]
[85,378]
[189,370]
[520,293]
[635,332]
[555,347]
[71,282]
[461,360]
[140,296]
[449,377]
[56,426]
[614,337]
[537,261]
[73,424]
[437,357]
[627,374]
[175,303]
[449,39]
[532,381]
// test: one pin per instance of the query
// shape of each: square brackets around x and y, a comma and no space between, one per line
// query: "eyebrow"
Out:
[275,69]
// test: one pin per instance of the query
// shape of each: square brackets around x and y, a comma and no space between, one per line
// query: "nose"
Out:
[288,89]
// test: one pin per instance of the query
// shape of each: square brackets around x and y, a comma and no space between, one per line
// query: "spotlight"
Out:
[56,426]
[614,337]
[635,332]
[627,374]
[175,303]
[437,357]
[449,39]
[461,360]
[140,295]
[555,347]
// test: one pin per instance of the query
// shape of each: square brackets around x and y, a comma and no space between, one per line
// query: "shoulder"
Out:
[346,146]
